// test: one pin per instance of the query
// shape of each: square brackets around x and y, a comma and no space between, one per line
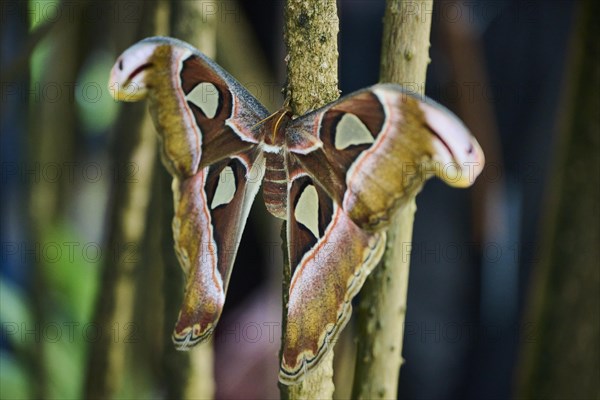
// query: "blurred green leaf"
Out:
[70,266]
[14,313]
[66,372]
[43,11]
[97,109]
[72,271]
[14,382]
[38,62]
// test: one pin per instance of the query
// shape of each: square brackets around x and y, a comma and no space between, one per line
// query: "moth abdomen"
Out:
[275,185]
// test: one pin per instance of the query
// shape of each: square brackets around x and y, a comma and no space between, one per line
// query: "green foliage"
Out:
[72,282]
[43,11]
[72,277]
[14,314]
[70,274]
[14,381]
[97,109]
[13,309]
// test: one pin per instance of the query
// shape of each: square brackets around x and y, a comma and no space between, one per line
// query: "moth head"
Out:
[134,73]
[457,158]
[129,76]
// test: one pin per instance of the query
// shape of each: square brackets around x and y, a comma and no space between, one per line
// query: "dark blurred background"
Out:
[483,272]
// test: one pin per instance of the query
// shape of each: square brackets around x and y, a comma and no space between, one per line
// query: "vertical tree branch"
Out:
[311,28]
[405,45]
[126,226]
[51,141]
[114,308]
[42,215]
[382,309]
[560,349]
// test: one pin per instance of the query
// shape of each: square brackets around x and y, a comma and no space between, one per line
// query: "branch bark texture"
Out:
[382,309]
[311,29]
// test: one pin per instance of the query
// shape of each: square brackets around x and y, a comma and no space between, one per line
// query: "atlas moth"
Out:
[336,175]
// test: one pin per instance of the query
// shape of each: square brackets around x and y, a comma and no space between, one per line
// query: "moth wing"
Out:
[207,129]
[330,257]
[210,215]
[372,150]
[202,114]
